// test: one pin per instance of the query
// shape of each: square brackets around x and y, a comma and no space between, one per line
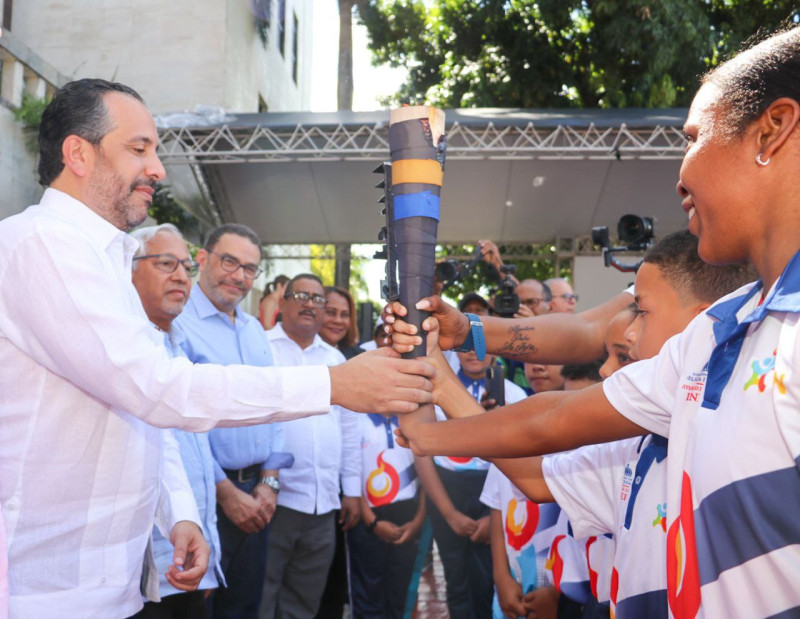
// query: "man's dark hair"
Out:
[290,285]
[77,108]
[238,229]
[694,280]
[583,371]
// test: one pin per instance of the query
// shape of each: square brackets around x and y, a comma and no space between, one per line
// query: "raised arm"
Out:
[542,424]
[550,338]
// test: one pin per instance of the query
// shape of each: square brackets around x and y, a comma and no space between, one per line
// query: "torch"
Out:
[412,184]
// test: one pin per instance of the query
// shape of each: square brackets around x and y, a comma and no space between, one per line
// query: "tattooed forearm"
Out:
[519,344]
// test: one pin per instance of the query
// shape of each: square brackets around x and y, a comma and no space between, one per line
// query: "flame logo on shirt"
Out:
[661,516]
[614,590]
[593,575]
[683,575]
[761,370]
[383,483]
[519,532]
[555,562]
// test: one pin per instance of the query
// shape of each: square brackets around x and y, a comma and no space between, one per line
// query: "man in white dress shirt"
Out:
[86,375]
[326,452]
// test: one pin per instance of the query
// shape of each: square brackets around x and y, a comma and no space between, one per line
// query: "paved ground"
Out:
[431,601]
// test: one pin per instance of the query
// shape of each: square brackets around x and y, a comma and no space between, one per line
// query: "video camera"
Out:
[506,301]
[635,232]
[450,271]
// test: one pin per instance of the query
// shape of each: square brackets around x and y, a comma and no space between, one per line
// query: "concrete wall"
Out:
[177,53]
[17,168]
[257,68]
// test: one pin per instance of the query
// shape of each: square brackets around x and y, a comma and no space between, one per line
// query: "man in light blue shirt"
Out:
[161,274]
[246,460]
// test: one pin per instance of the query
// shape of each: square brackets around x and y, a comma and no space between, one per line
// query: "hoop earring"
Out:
[760,162]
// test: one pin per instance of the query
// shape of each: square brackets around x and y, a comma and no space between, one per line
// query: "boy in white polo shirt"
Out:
[620,487]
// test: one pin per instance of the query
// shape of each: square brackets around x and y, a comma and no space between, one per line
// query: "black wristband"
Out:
[371,526]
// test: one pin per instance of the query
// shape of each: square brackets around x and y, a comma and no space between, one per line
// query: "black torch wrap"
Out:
[416,144]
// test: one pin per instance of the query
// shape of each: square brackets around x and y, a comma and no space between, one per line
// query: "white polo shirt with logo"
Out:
[727,393]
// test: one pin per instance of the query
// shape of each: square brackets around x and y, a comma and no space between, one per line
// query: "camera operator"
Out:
[534,298]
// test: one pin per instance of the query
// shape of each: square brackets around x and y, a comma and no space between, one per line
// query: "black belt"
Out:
[245,474]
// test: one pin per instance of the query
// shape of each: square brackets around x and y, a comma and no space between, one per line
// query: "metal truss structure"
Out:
[311,142]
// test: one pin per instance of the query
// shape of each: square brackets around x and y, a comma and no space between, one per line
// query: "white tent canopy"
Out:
[511,175]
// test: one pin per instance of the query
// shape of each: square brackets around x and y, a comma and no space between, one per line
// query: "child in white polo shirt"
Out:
[620,487]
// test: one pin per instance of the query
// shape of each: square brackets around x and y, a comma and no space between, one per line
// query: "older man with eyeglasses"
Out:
[327,453]
[246,460]
[162,272]
[563,298]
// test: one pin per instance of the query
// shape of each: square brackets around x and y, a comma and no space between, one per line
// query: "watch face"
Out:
[272,482]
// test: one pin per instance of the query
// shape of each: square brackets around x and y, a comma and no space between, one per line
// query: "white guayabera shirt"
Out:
[84,376]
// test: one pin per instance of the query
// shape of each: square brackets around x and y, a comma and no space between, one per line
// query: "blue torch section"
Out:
[423,204]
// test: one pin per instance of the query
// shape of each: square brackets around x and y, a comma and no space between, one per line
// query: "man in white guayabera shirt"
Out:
[86,377]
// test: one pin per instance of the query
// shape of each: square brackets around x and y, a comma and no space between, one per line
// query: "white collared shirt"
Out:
[84,373]
[326,447]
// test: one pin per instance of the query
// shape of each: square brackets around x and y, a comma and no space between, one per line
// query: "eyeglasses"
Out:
[231,265]
[303,297]
[532,302]
[167,263]
[567,297]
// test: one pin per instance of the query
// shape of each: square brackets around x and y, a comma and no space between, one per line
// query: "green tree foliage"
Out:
[559,53]
[165,209]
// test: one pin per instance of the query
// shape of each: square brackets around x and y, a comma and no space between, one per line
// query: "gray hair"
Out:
[147,234]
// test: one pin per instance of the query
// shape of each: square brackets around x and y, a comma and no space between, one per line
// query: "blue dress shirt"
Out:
[211,337]
[199,464]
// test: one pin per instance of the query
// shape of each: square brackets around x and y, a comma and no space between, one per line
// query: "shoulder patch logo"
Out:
[763,369]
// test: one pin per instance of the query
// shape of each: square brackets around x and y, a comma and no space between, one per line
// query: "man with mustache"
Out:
[247,459]
[87,383]
[162,272]
[326,454]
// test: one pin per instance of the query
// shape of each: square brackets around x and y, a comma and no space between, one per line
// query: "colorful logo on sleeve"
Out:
[383,483]
[683,575]
[763,369]
[661,516]
[522,518]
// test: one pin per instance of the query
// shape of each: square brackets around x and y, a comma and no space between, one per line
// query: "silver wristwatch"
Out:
[272,482]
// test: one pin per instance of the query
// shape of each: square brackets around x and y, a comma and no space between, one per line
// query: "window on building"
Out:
[281,26]
[262,13]
[7,7]
[295,45]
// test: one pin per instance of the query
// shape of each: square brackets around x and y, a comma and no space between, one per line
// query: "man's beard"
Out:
[117,203]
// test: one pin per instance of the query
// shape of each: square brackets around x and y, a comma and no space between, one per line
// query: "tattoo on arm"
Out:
[519,343]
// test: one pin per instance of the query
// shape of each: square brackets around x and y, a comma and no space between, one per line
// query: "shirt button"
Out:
[103,580]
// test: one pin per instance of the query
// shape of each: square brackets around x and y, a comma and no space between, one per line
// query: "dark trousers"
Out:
[380,572]
[191,605]
[244,560]
[467,566]
[335,595]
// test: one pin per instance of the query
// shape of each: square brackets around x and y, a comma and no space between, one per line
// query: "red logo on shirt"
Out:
[383,483]
[614,586]
[683,575]
[555,562]
[593,575]
[519,533]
